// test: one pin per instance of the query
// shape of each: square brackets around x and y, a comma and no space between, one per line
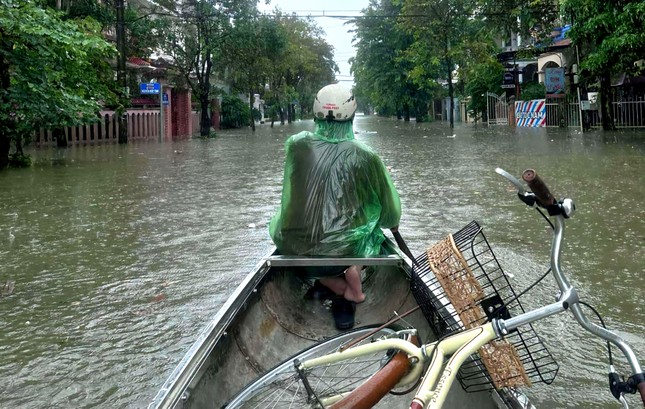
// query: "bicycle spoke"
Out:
[283,388]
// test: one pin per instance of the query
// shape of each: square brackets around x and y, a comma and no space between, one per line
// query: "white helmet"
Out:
[334,102]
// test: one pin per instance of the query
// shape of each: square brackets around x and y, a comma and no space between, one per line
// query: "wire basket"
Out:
[459,284]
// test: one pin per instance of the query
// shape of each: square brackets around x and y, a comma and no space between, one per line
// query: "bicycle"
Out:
[356,369]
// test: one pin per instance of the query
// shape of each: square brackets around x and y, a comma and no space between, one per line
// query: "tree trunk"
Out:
[204,121]
[19,152]
[5,146]
[291,114]
[251,110]
[451,93]
[5,126]
[59,135]
[281,116]
[121,73]
[605,103]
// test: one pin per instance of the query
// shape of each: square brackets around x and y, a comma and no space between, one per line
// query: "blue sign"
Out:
[164,99]
[150,88]
[554,80]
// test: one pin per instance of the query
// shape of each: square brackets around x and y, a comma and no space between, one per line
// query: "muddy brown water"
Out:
[119,255]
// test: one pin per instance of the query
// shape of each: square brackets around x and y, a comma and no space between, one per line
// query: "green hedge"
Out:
[235,112]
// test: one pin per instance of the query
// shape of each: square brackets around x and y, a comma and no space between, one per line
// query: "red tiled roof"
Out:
[138,61]
[563,42]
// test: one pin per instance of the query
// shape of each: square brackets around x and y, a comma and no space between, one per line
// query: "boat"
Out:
[267,319]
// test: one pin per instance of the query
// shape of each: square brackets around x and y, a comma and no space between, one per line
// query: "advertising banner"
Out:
[554,81]
[530,113]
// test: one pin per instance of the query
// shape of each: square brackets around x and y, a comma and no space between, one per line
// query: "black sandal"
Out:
[343,312]
[319,292]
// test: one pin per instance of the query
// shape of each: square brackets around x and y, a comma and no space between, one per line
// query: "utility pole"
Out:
[120,70]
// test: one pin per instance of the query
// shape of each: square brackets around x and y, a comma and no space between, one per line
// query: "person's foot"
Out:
[355,298]
[343,312]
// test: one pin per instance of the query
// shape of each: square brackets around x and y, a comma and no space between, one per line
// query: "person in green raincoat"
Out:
[337,195]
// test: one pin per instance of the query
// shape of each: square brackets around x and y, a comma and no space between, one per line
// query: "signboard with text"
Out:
[508,80]
[530,113]
[150,88]
[554,81]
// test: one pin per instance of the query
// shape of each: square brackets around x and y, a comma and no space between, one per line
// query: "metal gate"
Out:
[563,112]
[496,109]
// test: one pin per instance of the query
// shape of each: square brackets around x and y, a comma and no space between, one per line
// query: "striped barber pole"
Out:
[530,113]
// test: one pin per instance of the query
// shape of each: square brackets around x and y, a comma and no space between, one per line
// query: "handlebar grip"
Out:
[538,187]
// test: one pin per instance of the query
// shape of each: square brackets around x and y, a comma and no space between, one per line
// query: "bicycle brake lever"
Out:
[526,197]
[619,388]
[512,179]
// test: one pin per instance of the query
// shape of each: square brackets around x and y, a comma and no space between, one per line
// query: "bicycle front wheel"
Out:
[282,387]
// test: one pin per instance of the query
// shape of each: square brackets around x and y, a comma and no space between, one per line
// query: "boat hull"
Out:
[268,320]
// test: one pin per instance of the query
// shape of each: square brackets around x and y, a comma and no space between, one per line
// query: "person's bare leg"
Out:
[354,289]
[337,284]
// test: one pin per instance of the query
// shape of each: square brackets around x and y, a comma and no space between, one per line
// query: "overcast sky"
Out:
[335,28]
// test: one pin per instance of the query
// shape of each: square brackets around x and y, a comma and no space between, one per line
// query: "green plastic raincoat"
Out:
[336,195]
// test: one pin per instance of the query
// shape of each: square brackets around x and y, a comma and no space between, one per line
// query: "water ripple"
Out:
[122,254]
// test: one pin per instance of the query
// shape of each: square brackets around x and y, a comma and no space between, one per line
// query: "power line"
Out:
[373,16]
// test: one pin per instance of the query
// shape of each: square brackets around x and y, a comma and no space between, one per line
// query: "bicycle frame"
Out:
[434,389]
[459,346]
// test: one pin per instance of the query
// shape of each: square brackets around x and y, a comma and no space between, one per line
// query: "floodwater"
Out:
[121,254]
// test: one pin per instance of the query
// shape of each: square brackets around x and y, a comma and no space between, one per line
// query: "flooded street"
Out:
[121,254]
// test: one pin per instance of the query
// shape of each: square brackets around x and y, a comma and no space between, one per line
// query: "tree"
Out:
[136,35]
[198,29]
[531,19]
[480,78]
[305,66]
[249,52]
[610,37]
[387,70]
[442,28]
[53,73]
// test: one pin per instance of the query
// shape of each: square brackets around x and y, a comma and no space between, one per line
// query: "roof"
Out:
[624,79]
[138,61]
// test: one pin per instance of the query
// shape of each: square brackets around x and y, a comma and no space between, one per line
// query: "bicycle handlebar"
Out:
[561,210]
[537,185]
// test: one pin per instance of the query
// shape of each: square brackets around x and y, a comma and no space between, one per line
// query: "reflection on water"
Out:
[121,254]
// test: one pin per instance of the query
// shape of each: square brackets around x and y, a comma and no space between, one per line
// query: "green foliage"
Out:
[194,39]
[533,90]
[610,35]
[251,50]
[211,135]
[532,18]
[257,115]
[19,160]
[390,74]
[302,67]
[53,72]
[483,78]
[235,112]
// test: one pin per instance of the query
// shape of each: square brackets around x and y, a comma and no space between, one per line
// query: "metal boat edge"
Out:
[173,391]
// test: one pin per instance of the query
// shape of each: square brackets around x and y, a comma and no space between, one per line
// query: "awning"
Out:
[625,80]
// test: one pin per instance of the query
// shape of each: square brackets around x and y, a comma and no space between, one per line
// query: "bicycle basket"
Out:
[459,284]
